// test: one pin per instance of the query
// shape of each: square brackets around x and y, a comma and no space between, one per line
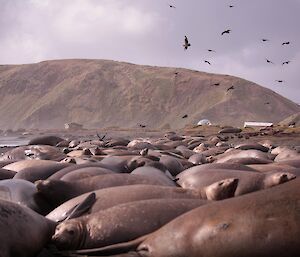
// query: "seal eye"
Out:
[71,232]
[221,183]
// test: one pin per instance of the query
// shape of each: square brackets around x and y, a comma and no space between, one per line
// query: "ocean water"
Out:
[13,141]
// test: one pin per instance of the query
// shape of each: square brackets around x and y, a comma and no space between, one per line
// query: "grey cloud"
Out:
[149,32]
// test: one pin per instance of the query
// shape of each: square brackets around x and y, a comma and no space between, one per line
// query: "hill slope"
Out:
[100,93]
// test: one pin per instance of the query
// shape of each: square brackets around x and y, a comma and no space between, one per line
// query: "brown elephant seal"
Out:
[236,153]
[45,140]
[85,173]
[230,130]
[40,152]
[248,181]
[23,231]
[6,174]
[155,173]
[120,223]
[58,191]
[173,164]
[109,197]
[249,161]
[276,167]
[265,223]
[59,174]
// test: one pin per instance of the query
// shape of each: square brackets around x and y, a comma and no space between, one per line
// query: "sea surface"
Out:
[11,141]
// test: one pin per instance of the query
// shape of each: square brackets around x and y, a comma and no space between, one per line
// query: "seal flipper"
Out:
[81,208]
[111,249]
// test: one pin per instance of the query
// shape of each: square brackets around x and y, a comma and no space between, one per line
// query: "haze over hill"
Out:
[102,93]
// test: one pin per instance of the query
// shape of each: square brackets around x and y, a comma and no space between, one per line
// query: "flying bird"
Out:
[226,32]
[101,138]
[186,43]
[286,43]
[287,62]
[230,88]
[268,61]
[184,116]
[171,6]
[211,50]
[207,62]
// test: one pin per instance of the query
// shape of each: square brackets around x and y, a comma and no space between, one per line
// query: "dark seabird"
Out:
[172,6]
[230,6]
[207,62]
[287,62]
[265,40]
[211,50]
[285,43]
[186,43]
[279,81]
[225,32]
[230,88]
[142,126]
[184,116]
[216,84]
[266,103]
[268,61]
[101,138]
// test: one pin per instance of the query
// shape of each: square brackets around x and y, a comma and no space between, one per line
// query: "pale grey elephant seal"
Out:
[248,181]
[23,231]
[40,152]
[22,192]
[33,170]
[120,223]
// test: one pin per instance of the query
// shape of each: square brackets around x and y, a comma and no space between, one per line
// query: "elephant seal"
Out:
[248,181]
[120,223]
[109,197]
[173,164]
[155,173]
[230,130]
[85,173]
[33,170]
[59,174]
[23,231]
[22,192]
[259,224]
[40,152]
[236,153]
[57,191]
[255,146]
[45,140]
[6,174]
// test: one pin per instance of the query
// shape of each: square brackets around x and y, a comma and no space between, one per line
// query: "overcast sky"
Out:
[150,32]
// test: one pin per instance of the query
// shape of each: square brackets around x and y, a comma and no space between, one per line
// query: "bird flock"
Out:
[187,44]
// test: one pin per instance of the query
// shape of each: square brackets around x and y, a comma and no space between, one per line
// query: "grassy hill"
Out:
[102,93]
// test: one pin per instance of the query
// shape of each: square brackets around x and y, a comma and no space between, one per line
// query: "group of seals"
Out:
[173,196]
